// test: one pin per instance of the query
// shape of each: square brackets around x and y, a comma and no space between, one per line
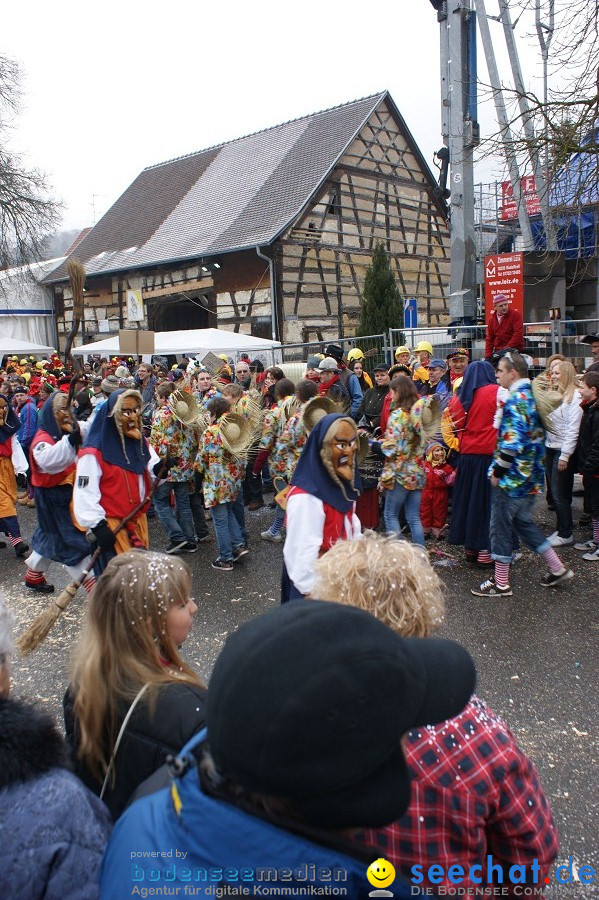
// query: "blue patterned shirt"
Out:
[519,460]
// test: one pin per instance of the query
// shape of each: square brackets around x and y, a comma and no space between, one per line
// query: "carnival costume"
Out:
[115,470]
[12,460]
[435,495]
[320,509]
[53,457]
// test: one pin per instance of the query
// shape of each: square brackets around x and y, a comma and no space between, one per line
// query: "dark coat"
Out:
[152,734]
[588,439]
[372,405]
[52,830]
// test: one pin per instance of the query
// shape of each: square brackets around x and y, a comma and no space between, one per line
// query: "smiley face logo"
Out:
[380,873]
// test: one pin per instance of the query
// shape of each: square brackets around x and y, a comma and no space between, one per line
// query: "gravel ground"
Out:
[536,656]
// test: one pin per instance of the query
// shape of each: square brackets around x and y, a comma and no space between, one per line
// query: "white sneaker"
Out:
[269,536]
[592,557]
[586,545]
[556,541]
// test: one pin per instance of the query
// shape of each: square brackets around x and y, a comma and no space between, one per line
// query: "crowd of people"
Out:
[334,728]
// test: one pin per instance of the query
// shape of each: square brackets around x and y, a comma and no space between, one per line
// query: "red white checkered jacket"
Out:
[474,793]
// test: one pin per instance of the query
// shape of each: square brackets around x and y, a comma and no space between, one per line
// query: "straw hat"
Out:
[184,407]
[316,409]
[547,399]
[236,433]
[427,413]
[288,407]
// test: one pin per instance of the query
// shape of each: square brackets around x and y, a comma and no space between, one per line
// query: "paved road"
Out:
[536,655]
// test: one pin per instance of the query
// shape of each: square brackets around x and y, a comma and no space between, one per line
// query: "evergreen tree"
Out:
[382,306]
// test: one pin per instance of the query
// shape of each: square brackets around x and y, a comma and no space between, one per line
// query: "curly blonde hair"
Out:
[391,579]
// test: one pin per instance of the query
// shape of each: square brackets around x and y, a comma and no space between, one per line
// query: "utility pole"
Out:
[461,134]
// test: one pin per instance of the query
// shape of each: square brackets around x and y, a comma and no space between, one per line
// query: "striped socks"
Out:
[554,563]
[32,577]
[502,574]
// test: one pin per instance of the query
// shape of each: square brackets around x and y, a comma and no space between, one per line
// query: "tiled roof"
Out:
[225,198]
[82,234]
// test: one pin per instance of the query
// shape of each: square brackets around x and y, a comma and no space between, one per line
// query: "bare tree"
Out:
[27,212]
[565,120]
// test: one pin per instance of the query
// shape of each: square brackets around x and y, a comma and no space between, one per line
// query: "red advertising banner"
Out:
[504,274]
[509,207]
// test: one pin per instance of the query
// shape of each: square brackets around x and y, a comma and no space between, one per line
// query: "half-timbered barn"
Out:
[270,234]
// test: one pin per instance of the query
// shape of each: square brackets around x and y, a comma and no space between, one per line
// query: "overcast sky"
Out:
[113,87]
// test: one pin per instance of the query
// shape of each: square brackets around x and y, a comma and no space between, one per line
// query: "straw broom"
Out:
[41,626]
[76,273]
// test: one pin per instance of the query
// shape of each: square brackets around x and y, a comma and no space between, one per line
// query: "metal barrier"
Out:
[375,347]
[569,334]
[542,339]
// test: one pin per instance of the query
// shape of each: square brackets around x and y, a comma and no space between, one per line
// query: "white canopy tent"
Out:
[15,347]
[195,341]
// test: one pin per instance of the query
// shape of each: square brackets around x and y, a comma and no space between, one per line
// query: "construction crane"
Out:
[461,134]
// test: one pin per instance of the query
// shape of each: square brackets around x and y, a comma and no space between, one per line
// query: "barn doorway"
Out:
[181,312]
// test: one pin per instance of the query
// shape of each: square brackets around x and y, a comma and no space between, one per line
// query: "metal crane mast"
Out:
[460,129]
[461,134]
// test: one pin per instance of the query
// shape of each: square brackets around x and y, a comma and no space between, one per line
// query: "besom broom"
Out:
[42,625]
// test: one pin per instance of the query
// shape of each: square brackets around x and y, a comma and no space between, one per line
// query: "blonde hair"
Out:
[391,579]
[568,381]
[125,645]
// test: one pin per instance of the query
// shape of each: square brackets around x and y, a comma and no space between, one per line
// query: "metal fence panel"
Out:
[542,339]
[374,346]
[569,333]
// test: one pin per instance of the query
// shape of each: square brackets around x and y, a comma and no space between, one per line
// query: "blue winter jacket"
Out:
[53,831]
[182,836]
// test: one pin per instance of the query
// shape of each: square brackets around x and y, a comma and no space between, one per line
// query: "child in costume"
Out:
[435,495]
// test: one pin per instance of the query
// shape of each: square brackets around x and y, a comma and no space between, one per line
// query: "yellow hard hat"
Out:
[23,362]
[356,353]
[223,356]
[401,350]
[422,347]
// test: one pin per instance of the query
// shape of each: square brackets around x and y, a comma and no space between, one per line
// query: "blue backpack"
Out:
[181,836]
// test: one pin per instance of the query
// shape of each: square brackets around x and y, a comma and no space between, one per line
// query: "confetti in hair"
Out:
[391,579]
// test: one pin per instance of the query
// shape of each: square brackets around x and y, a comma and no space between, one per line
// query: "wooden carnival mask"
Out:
[62,413]
[343,449]
[130,417]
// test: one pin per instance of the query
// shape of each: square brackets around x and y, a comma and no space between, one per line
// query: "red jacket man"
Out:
[505,329]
